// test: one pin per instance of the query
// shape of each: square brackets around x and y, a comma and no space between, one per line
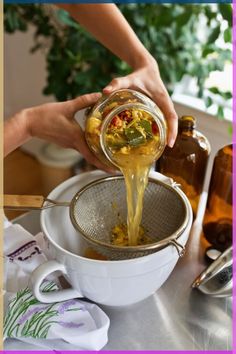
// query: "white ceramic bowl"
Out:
[114,283]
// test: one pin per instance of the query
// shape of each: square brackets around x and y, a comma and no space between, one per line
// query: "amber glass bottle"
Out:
[217,223]
[186,162]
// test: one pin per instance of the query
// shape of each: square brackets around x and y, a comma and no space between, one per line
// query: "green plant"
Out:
[77,63]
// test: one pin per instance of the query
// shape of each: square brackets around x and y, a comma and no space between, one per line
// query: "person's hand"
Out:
[123,42]
[53,122]
[146,78]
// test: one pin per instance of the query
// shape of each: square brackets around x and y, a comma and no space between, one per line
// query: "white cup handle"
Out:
[40,273]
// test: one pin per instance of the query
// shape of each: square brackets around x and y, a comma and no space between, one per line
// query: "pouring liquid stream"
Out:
[128,130]
[136,180]
[135,164]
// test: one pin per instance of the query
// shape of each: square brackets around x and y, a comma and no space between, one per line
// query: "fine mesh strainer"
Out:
[101,205]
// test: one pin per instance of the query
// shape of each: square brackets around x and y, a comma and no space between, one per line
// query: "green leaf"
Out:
[70,54]
[12,21]
[214,90]
[22,25]
[65,18]
[183,18]
[226,12]
[214,34]
[230,130]
[208,49]
[134,137]
[146,126]
[225,56]
[227,95]
[220,113]
[228,35]
[210,13]
[208,101]
[139,20]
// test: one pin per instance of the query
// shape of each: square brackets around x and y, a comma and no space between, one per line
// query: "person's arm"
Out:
[106,23]
[53,122]
[15,132]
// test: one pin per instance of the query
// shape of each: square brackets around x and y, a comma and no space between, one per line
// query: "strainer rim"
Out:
[139,248]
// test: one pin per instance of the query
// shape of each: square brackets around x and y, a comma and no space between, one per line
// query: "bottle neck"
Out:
[186,130]
[187,125]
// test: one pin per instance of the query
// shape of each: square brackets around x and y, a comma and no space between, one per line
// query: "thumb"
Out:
[116,84]
[83,101]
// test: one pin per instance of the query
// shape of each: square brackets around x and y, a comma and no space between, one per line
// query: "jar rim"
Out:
[154,111]
[103,100]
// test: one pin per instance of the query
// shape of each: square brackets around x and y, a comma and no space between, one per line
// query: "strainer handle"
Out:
[180,248]
[29,202]
[43,271]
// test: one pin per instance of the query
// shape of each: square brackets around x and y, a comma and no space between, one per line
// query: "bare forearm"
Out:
[109,27]
[15,132]
[106,23]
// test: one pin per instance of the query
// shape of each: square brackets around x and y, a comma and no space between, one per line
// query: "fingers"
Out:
[78,141]
[172,122]
[160,96]
[117,84]
[83,102]
[81,145]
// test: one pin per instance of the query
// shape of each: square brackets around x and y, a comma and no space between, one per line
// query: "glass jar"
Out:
[124,123]
[217,223]
[186,162]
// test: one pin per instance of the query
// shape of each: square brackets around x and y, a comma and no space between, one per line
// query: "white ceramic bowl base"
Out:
[113,283]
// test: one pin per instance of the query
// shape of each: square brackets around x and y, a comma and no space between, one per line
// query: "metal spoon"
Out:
[217,279]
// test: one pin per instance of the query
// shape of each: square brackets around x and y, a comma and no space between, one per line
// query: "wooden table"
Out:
[21,176]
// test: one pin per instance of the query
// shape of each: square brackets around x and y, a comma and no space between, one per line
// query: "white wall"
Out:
[24,73]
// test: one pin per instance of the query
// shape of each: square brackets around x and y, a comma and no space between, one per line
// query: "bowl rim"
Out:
[62,186]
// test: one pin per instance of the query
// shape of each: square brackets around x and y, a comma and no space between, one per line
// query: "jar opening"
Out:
[131,127]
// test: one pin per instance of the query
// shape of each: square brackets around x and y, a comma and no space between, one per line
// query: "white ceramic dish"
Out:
[114,283]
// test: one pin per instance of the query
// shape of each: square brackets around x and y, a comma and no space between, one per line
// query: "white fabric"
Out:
[68,325]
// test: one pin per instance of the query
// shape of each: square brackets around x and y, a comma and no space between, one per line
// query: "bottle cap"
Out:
[212,253]
[187,122]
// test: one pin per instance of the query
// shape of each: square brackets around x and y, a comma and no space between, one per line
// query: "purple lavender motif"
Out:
[27,317]
[31,312]
[66,306]
[70,324]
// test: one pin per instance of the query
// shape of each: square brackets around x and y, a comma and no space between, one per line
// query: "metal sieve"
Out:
[101,205]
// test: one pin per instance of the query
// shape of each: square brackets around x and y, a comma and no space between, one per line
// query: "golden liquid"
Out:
[120,236]
[133,143]
[92,254]
[135,167]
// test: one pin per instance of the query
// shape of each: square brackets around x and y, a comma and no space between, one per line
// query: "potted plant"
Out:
[186,39]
